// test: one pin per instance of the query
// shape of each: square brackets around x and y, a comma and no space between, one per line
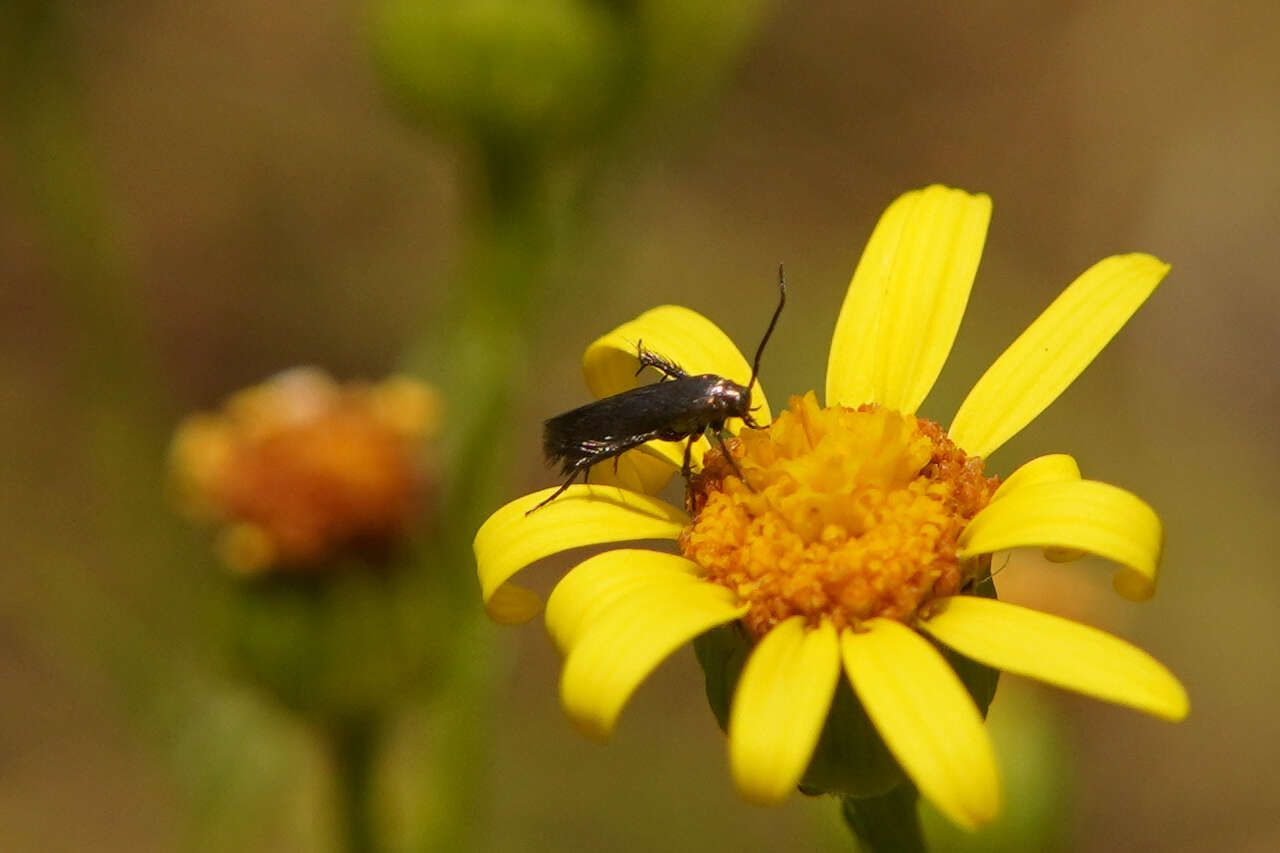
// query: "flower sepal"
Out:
[343,644]
[851,759]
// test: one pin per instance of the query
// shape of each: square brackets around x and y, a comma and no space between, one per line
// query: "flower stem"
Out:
[480,357]
[354,744]
[888,823]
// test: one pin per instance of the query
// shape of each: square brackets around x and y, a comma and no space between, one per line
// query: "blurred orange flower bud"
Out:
[302,470]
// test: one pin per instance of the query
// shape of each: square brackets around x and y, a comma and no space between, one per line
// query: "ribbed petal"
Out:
[926,718]
[595,584]
[1081,514]
[584,515]
[627,641]
[1054,350]
[1058,651]
[683,336]
[780,706]
[906,299]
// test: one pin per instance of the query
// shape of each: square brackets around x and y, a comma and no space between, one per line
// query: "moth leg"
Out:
[728,457]
[685,469]
[648,358]
[583,468]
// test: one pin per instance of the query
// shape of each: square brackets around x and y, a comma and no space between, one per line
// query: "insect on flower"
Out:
[675,408]
[855,554]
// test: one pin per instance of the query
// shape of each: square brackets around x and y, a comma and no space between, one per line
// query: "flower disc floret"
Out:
[850,514]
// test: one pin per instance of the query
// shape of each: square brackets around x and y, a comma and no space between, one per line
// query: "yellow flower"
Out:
[862,534]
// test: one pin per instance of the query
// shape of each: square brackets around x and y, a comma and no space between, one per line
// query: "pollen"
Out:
[850,514]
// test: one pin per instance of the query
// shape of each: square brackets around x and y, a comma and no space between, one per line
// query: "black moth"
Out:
[677,407]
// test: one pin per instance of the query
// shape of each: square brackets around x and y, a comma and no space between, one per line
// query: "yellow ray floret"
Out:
[906,299]
[595,585]
[1058,651]
[780,706]
[584,515]
[1079,514]
[1051,468]
[646,469]
[1054,350]
[621,647]
[926,718]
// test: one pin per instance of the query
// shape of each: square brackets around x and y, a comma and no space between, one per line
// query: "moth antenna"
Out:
[782,300]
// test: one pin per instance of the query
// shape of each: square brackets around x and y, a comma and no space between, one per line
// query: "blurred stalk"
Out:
[506,270]
[454,734]
[888,823]
[354,745]
[479,363]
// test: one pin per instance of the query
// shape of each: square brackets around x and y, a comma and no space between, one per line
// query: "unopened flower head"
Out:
[300,470]
[847,539]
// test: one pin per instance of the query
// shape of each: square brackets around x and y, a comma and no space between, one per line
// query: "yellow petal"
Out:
[1045,469]
[1054,350]
[780,706]
[512,605]
[1052,468]
[926,718]
[906,299]
[627,641]
[1079,514]
[1058,651]
[683,336]
[584,515]
[595,584]
[638,470]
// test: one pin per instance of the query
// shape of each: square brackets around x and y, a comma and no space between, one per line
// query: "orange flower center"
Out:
[850,514]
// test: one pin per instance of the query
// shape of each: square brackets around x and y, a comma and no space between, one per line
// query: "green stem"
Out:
[888,823]
[479,355]
[460,717]
[478,358]
[354,743]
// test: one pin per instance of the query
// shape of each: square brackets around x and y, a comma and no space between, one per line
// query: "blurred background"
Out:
[194,198]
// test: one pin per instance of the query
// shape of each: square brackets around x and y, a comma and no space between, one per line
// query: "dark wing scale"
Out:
[607,427]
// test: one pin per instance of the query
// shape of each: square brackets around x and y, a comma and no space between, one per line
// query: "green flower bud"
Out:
[523,73]
[344,644]
[689,46]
